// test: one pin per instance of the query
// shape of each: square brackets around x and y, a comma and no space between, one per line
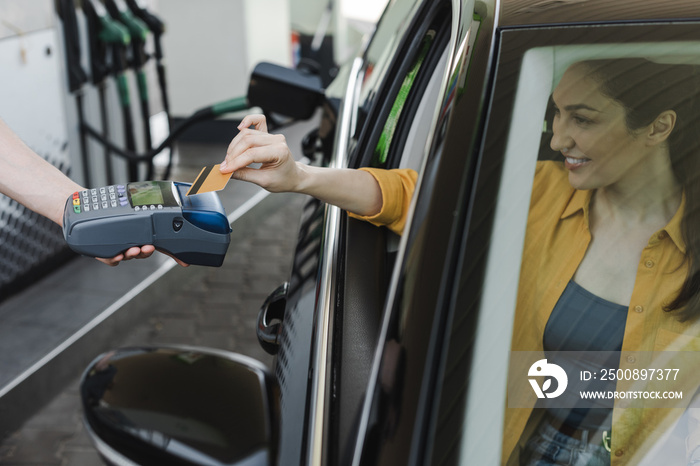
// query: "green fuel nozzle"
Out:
[137,30]
[111,32]
[108,40]
[103,27]
[136,27]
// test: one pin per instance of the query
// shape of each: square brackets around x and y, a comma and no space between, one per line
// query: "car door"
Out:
[470,370]
[318,412]
[386,366]
[396,119]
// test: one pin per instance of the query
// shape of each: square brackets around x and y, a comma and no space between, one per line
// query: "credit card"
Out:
[209,179]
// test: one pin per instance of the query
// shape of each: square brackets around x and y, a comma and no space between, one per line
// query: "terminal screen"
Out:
[146,193]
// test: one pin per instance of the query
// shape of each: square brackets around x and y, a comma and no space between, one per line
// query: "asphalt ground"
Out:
[211,307]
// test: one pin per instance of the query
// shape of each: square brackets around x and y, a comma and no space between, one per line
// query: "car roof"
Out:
[556,12]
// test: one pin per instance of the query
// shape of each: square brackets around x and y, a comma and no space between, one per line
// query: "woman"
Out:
[611,243]
[610,261]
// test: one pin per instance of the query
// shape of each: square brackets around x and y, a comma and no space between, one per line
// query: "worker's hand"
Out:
[132,253]
[135,252]
[278,171]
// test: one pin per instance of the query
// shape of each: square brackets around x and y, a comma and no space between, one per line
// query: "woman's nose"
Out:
[560,137]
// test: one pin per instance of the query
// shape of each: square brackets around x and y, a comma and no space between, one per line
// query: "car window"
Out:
[382,50]
[587,328]
[412,116]
[400,63]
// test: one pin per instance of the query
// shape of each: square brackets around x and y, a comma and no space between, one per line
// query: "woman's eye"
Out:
[581,120]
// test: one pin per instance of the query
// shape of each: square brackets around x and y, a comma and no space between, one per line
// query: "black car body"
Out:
[395,350]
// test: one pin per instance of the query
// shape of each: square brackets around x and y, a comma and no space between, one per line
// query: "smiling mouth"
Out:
[572,163]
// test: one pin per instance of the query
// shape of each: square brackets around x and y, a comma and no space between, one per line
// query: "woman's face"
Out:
[590,132]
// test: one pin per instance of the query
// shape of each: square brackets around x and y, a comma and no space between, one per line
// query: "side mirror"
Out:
[289,92]
[181,405]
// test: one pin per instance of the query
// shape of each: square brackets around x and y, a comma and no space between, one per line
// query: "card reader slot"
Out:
[208,221]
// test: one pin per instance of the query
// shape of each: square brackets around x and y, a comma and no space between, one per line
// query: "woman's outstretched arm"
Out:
[356,191]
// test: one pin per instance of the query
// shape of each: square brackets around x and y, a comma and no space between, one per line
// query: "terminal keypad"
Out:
[106,197]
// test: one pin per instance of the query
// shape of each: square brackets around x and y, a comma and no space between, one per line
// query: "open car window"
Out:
[406,58]
[580,329]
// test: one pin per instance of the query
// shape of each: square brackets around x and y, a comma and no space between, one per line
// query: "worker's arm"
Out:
[35,183]
[31,180]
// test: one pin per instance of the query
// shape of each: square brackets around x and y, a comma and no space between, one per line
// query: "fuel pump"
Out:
[111,39]
[136,58]
[110,42]
[76,75]
[157,28]
[105,38]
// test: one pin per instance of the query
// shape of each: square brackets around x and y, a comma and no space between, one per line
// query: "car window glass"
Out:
[583,294]
[336,89]
[605,250]
[382,49]
[381,151]
[381,52]
[414,148]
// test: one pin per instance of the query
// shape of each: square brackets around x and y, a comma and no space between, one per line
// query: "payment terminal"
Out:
[102,222]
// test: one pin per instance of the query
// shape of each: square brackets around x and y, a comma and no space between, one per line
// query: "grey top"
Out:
[588,330]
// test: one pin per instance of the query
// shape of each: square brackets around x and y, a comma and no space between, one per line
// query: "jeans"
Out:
[548,446]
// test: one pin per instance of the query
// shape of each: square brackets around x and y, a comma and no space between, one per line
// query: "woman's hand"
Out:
[352,190]
[278,171]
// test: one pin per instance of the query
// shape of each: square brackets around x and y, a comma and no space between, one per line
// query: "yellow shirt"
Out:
[397,187]
[556,241]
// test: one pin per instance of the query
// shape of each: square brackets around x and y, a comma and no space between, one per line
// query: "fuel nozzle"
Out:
[137,30]
[108,41]
[139,33]
[154,24]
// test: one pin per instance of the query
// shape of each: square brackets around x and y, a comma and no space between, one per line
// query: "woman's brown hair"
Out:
[646,89]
